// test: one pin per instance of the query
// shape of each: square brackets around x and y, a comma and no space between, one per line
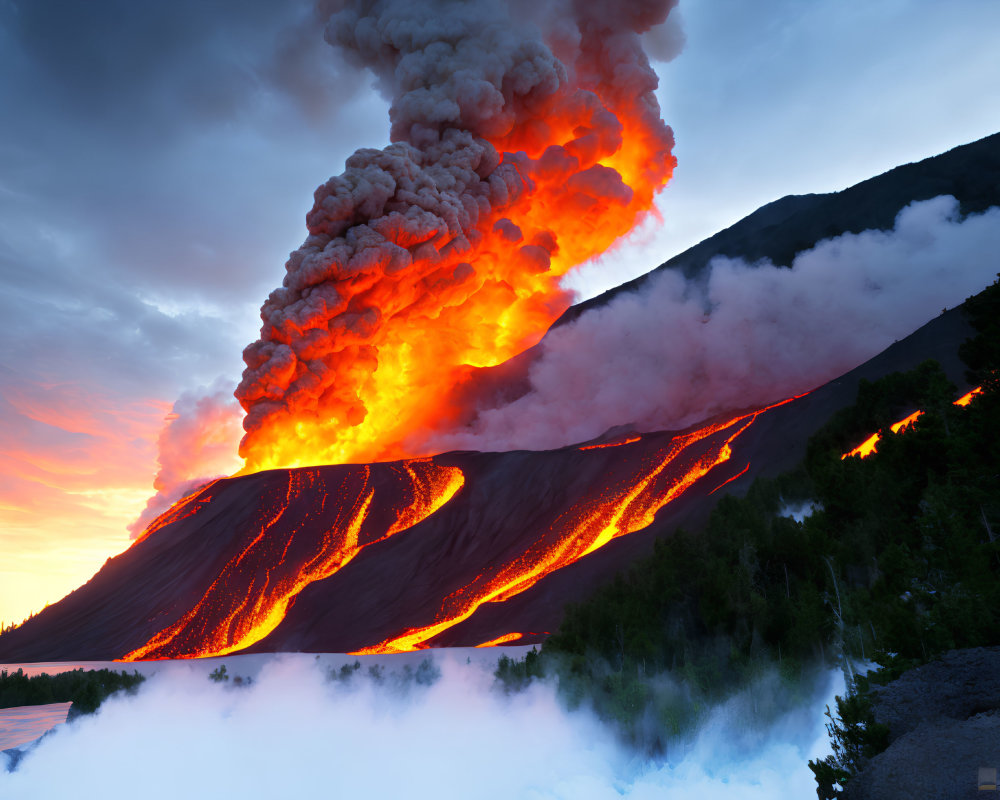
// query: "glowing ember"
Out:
[733,478]
[443,252]
[867,447]
[618,510]
[905,422]
[630,440]
[965,399]
[255,589]
[507,637]
[185,507]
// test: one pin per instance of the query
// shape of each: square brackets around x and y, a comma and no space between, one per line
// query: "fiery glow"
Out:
[507,637]
[867,447]
[619,509]
[185,507]
[254,590]
[965,399]
[733,478]
[629,440]
[400,292]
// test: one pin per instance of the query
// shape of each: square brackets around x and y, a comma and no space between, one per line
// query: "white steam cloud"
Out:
[292,734]
[195,446]
[676,353]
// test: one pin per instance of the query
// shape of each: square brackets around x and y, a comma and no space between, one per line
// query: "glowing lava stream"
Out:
[254,590]
[867,447]
[616,512]
[506,638]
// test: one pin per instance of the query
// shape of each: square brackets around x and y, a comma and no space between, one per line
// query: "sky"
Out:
[157,162]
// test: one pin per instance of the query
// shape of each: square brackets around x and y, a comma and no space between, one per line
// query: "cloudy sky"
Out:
[157,161]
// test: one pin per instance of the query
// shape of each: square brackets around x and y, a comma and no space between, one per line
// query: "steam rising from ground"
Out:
[292,734]
[195,447]
[676,353]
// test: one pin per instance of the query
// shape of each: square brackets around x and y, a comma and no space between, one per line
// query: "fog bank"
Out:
[293,733]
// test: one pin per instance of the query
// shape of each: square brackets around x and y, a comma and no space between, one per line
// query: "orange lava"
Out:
[733,478]
[186,507]
[254,590]
[965,399]
[616,511]
[630,440]
[507,637]
[867,447]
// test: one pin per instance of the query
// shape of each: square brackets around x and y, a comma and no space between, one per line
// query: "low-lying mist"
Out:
[293,732]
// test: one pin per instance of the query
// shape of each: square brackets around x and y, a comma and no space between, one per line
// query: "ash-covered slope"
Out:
[459,549]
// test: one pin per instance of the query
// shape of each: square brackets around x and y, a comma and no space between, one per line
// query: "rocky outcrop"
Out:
[944,724]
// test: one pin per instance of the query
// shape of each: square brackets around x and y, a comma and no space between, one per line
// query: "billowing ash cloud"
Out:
[290,734]
[195,447]
[676,353]
[526,139]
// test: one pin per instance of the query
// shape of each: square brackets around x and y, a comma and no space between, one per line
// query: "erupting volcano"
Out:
[524,143]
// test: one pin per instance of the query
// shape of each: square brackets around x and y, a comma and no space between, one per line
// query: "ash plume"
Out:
[676,352]
[525,140]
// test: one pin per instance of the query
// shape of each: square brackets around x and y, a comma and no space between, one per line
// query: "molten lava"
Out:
[867,447]
[255,588]
[187,506]
[619,509]
[505,639]
[629,440]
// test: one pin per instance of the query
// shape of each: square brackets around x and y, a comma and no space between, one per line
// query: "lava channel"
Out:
[280,557]
[618,509]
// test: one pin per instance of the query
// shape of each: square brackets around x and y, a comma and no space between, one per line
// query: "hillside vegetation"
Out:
[899,561]
[86,689]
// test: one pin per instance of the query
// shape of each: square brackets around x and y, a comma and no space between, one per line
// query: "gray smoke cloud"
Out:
[292,734]
[676,353]
[194,447]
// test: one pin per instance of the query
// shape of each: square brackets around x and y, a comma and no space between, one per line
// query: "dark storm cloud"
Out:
[138,178]
[155,127]
[154,66]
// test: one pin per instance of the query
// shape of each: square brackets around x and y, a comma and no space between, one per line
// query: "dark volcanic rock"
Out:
[938,759]
[959,685]
[944,724]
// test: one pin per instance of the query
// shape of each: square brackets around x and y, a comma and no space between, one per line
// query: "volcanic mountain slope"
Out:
[459,549]
[465,548]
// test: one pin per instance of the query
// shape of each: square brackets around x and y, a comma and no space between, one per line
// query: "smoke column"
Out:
[524,141]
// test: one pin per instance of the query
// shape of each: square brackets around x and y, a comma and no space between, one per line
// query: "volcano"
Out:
[473,548]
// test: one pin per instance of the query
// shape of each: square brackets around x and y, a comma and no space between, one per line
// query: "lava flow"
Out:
[443,252]
[254,590]
[616,510]
[867,447]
